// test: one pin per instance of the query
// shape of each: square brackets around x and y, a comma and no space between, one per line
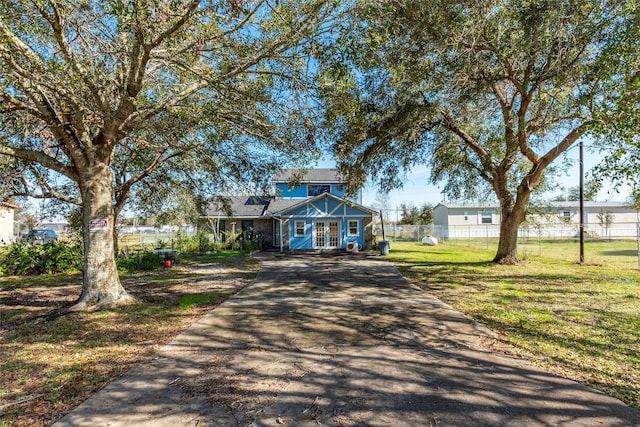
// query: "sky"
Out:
[418,190]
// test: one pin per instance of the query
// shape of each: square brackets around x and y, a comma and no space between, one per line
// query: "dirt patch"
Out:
[39,299]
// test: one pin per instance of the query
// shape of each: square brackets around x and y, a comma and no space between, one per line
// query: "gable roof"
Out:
[310,176]
[303,202]
[278,205]
[255,207]
[238,206]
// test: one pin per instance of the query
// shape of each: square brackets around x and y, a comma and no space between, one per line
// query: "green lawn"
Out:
[579,321]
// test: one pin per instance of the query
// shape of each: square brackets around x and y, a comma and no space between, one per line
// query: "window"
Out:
[466,215]
[566,214]
[315,190]
[353,228]
[486,217]
[300,228]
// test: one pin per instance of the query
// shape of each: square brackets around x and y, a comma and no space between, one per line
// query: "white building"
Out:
[553,219]
[6,222]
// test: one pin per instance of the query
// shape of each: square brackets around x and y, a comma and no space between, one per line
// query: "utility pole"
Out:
[581,202]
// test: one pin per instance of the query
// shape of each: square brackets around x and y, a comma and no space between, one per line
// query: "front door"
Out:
[325,234]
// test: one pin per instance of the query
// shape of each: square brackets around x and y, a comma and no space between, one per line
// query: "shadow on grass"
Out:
[629,252]
[577,320]
[609,350]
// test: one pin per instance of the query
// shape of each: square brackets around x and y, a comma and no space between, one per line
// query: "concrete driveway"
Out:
[340,340]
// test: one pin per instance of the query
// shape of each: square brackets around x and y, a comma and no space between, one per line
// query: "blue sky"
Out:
[418,190]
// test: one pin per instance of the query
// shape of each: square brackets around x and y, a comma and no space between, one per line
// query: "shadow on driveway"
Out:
[340,341]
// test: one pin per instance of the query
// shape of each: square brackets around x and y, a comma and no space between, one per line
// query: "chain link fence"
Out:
[153,237]
[416,233]
[618,243]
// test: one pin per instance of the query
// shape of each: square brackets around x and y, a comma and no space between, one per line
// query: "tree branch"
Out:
[538,167]
[469,141]
[39,157]
[57,25]
[176,26]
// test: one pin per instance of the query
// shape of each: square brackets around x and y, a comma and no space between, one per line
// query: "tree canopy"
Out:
[619,111]
[96,97]
[488,93]
[412,215]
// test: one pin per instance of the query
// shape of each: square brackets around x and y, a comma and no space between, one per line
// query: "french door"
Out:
[326,234]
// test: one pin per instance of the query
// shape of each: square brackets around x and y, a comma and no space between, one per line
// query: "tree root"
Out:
[89,304]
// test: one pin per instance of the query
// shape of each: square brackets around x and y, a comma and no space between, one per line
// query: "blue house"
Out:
[312,214]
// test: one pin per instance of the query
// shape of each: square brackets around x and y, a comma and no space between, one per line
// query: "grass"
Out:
[581,322]
[51,363]
[578,321]
[191,301]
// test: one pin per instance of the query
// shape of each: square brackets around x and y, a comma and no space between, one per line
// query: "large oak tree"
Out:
[489,93]
[96,96]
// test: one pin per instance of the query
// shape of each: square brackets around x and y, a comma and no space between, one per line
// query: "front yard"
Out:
[581,322]
[578,321]
[52,360]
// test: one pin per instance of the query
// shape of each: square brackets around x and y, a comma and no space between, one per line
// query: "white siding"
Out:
[6,225]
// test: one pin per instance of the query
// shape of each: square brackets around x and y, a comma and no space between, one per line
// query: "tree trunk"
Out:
[101,285]
[508,243]
[511,218]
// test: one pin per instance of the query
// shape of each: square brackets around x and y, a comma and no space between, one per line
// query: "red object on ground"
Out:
[167,263]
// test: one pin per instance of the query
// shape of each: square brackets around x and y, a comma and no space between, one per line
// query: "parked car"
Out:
[40,236]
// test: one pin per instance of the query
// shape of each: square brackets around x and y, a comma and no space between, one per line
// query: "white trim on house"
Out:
[298,228]
[357,227]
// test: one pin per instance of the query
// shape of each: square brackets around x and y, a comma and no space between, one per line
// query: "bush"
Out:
[250,245]
[141,261]
[200,243]
[29,260]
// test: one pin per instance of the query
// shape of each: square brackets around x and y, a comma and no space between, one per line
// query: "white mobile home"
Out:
[551,219]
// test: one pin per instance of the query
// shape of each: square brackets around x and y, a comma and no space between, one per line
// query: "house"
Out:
[6,222]
[445,215]
[313,214]
[553,219]
[312,183]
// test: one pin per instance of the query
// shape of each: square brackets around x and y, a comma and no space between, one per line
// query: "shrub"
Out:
[200,243]
[141,261]
[29,260]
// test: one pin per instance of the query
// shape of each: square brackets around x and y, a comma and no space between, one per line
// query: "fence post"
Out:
[487,228]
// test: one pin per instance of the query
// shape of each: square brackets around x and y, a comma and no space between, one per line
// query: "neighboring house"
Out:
[554,218]
[446,215]
[313,215]
[6,222]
